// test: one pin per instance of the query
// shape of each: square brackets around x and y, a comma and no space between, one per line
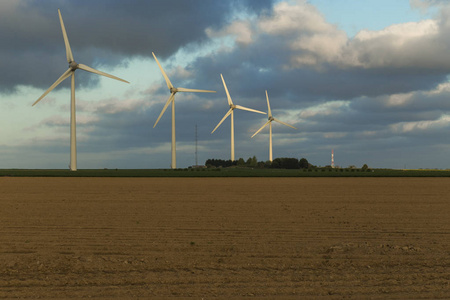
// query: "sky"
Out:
[368,79]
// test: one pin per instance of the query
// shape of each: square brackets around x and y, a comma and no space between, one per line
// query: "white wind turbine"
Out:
[230,112]
[171,99]
[269,122]
[73,66]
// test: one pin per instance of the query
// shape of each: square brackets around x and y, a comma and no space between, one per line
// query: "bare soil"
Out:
[228,238]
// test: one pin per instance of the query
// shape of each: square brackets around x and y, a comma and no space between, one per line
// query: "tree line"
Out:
[277,163]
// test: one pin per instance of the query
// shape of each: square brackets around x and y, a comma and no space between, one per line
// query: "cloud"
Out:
[310,38]
[379,92]
[289,18]
[412,45]
[314,42]
[318,60]
[325,109]
[113,106]
[423,5]
[422,126]
[103,32]
[240,30]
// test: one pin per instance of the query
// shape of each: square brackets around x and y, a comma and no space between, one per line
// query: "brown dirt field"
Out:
[298,238]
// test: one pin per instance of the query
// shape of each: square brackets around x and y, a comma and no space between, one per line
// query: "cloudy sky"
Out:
[368,79]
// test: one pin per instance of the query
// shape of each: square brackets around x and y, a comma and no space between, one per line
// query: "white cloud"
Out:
[401,33]
[405,127]
[241,30]
[181,72]
[320,47]
[326,109]
[414,44]
[424,5]
[293,17]
[399,99]
[440,89]
[310,40]
[299,28]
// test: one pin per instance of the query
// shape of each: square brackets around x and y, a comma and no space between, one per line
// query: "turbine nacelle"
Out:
[173,90]
[271,118]
[73,65]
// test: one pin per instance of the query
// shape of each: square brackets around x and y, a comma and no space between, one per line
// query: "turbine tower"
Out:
[196,146]
[230,112]
[73,66]
[269,122]
[171,100]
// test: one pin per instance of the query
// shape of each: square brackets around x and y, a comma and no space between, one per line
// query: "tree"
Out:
[219,163]
[364,167]
[261,165]
[285,163]
[290,163]
[303,163]
[252,161]
[276,163]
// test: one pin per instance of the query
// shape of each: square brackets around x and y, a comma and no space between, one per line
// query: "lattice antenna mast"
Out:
[332,158]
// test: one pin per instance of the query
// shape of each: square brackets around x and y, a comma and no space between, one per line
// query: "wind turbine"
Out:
[73,66]
[269,122]
[230,112]
[171,99]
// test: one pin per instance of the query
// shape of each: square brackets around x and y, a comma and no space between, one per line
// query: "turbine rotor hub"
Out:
[271,118]
[73,65]
[173,90]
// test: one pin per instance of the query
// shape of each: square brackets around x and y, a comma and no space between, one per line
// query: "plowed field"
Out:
[381,238]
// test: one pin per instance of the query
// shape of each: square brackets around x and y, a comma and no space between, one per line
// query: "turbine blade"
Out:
[65,75]
[249,109]
[194,91]
[169,84]
[268,105]
[92,70]
[286,124]
[261,128]
[172,96]
[69,54]
[223,119]
[230,102]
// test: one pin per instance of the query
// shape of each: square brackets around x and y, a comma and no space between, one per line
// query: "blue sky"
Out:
[368,79]
[353,16]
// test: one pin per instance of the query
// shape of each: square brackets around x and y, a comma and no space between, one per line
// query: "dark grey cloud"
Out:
[261,66]
[32,51]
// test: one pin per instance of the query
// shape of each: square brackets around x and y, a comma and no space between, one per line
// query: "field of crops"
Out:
[226,238]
